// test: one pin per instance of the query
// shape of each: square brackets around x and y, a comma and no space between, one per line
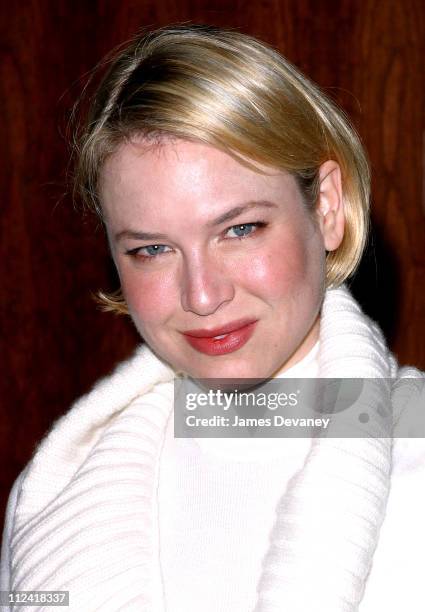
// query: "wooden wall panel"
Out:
[367,54]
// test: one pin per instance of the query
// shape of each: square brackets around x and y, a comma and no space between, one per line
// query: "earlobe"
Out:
[330,205]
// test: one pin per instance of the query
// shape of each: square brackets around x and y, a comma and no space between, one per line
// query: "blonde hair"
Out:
[233,92]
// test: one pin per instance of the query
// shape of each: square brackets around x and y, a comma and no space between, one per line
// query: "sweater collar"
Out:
[86,519]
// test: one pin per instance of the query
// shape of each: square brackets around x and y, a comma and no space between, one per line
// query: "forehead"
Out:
[183,177]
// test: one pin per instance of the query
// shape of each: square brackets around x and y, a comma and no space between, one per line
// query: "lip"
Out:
[218,331]
[236,334]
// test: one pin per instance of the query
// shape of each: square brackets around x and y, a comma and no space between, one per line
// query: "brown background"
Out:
[368,54]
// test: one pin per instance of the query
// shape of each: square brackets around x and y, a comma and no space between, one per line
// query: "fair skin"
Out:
[201,241]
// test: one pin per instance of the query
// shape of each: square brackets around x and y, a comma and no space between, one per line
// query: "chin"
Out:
[237,372]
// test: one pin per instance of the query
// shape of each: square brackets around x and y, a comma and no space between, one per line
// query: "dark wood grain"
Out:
[368,55]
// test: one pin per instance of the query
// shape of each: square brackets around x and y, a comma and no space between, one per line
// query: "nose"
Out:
[205,285]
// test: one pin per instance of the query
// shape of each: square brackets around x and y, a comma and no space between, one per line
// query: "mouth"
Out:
[221,340]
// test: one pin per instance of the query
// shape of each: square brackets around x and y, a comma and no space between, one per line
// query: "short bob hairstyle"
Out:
[231,91]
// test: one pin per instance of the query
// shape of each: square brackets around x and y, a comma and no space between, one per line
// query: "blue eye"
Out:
[153,249]
[244,229]
[148,252]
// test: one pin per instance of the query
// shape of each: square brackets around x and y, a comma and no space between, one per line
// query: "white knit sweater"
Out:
[86,517]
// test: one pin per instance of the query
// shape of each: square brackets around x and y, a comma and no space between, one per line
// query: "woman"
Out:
[235,199]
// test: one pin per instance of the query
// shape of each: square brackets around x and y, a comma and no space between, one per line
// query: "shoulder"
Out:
[408,409]
[395,580]
[406,503]
[71,441]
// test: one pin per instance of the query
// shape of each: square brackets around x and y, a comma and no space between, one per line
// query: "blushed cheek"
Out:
[271,274]
[151,300]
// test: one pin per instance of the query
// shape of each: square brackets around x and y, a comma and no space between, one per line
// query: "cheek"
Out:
[150,299]
[287,265]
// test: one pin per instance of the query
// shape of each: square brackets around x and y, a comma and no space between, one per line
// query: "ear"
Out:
[330,205]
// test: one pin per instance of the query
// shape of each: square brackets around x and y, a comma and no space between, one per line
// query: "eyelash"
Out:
[137,252]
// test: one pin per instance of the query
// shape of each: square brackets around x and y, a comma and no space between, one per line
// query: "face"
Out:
[222,267]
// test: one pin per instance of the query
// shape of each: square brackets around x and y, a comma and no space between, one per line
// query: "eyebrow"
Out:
[237,210]
[227,216]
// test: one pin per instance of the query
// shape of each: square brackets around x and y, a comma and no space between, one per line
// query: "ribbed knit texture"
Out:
[86,519]
[328,521]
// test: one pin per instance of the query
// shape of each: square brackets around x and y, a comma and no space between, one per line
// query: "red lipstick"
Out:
[221,340]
